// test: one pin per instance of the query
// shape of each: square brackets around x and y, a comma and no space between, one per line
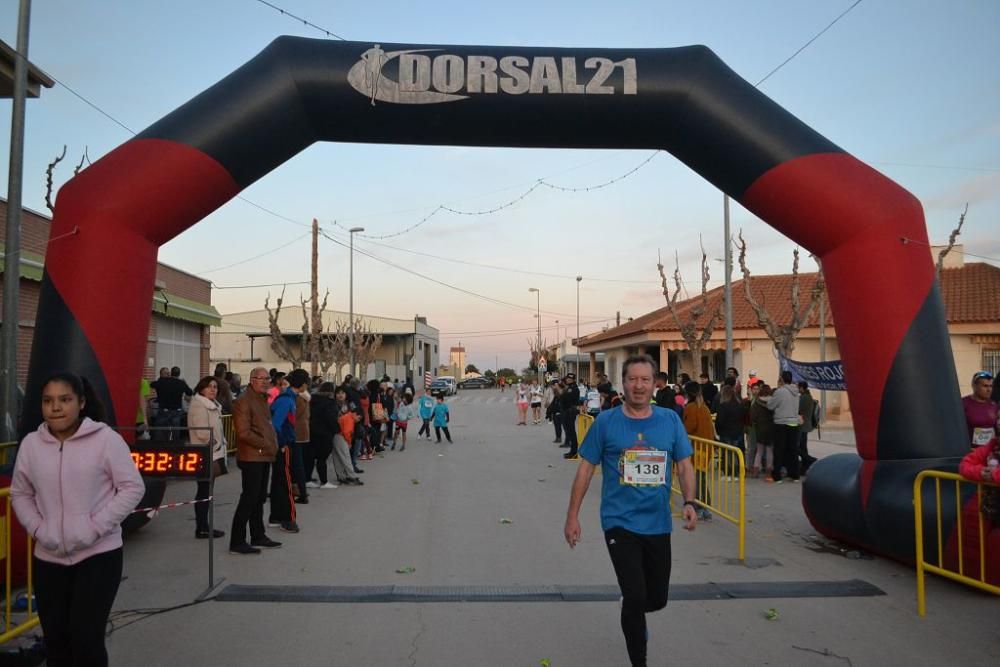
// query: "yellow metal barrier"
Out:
[940,569]
[31,620]
[229,430]
[721,483]
[583,424]
[7,450]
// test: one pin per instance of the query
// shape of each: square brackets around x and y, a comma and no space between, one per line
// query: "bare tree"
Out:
[279,343]
[694,333]
[50,170]
[783,335]
[334,347]
[367,341]
[951,241]
[48,179]
[537,353]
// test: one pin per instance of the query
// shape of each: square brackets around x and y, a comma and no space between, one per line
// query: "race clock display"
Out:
[172,461]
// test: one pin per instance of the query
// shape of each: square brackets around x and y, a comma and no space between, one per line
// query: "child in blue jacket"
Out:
[441,418]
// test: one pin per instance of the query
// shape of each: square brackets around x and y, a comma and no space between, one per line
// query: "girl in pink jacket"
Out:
[74,482]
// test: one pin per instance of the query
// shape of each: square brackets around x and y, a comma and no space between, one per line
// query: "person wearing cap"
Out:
[980,410]
[753,378]
[569,400]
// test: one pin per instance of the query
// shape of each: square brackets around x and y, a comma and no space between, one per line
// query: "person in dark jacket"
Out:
[807,413]
[323,426]
[570,402]
[708,390]
[763,425]
[729,418]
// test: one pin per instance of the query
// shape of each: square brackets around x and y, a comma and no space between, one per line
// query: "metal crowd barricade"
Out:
[720,482]
[11,629]
[229,430]
[583,424]
[963,489]
[7,450]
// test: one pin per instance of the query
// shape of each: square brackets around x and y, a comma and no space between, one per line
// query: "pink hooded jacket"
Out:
[73,496]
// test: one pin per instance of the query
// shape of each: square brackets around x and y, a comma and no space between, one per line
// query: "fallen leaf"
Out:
[771,614]
[506,520]
[409,569]
[541,479]
[545,662]
[414,481]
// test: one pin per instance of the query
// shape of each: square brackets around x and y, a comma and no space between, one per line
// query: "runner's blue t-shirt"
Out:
[640,509]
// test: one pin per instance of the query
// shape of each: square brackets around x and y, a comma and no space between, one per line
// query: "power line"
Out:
[938,166]
[299,18]
[804,46]
[263,254]
[217,286]
[905,240]
[477,295]
[511,270]
[522,330]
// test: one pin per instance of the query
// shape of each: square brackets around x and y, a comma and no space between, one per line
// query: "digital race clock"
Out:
[172,461]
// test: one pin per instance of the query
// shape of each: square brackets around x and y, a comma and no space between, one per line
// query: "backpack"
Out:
[815,415]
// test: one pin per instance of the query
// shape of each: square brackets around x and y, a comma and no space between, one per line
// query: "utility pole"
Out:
[316,324]
[729,284]
[538,339]
[12,244]
[822,358]
[577,341]
[352,231]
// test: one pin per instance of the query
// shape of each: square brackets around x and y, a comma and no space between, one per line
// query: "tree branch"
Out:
[951,241]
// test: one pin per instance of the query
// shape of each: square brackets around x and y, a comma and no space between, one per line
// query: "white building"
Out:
[409,347]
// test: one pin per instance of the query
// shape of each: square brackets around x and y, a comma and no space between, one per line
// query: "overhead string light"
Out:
[541,182]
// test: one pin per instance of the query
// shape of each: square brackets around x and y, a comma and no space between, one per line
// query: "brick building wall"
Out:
[35,229]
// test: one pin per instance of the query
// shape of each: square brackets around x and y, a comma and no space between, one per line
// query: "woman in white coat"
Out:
[206,413]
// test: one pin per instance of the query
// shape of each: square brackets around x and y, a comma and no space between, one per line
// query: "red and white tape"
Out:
[154,510]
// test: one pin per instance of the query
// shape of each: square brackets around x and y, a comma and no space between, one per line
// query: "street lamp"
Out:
[350,338]
[538,340]
[578,279]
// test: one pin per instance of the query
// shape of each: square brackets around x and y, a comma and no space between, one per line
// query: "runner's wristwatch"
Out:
[691,503]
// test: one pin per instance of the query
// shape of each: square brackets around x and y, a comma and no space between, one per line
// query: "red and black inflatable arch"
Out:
[94,309]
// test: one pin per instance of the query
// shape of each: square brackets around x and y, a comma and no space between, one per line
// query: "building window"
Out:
[420,344]
[991,361]
[435,349]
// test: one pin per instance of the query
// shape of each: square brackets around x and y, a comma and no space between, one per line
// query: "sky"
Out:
[909,86]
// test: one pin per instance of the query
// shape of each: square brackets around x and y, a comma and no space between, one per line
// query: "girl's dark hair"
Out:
[92,406]
[692,390]
[328,388]
[204,382]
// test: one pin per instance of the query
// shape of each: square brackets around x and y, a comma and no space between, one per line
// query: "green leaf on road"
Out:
[506,520]
[409,569]
[414,481]
[771,614]
[545,662]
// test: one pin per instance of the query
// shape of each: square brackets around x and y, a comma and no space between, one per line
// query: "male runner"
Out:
[637,443]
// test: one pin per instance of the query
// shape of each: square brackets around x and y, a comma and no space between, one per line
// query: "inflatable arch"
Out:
[94,309]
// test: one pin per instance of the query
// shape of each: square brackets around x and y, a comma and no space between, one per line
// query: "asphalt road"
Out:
[489,510]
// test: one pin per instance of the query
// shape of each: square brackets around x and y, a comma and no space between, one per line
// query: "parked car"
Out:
[444,384]
[475,383]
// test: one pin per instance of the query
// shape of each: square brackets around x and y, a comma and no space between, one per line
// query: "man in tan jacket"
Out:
[256,447]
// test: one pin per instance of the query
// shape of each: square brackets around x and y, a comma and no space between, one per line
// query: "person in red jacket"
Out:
[982,464]
[74,483]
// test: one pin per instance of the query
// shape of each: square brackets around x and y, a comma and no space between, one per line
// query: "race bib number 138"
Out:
[643,467]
